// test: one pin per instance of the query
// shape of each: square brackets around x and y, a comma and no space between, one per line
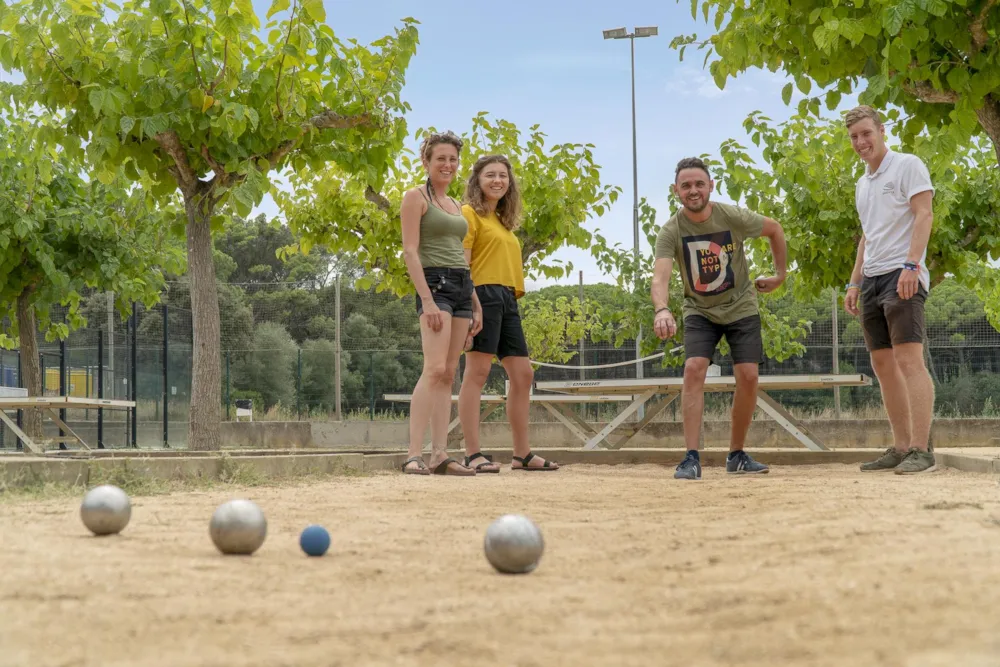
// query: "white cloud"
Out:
[695,82]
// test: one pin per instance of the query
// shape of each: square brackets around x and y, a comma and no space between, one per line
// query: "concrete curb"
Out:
[19,471]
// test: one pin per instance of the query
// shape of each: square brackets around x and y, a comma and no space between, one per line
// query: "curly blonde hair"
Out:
[509,207]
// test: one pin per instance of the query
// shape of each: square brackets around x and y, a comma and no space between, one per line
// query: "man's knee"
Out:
[695,369]
[746,376]
[883,362]
[910,359]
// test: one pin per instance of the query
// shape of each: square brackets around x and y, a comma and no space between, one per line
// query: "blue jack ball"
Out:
[315,540]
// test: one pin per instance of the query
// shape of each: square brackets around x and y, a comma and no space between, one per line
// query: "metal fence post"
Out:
[135,375]
[371,391]
[166,380]
[100,387]
[228,399]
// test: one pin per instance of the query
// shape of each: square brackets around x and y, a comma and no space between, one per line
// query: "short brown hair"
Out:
[858,114]
[432,140]
[691,163]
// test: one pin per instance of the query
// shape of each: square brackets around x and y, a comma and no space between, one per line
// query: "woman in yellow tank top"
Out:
[433,229]
[493,211]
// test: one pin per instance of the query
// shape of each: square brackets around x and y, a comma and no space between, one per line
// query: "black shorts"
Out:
[702,335]
[887,320]
[452,291]
[502,334]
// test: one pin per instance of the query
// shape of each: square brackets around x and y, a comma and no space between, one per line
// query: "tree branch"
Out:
[277,83]
[54,61]
[219,169]
[326,120]
[925,92]
[194,58]
[171,145]
[978,27]
[222,70]
[377,198]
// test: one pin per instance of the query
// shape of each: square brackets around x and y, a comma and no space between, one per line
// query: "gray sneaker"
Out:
[887,461]
[915,462]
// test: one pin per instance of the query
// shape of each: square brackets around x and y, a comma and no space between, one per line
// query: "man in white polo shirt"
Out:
[893,199]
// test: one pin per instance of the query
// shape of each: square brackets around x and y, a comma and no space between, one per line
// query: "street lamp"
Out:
[622,33]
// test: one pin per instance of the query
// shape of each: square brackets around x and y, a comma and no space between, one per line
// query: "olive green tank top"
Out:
[441,236]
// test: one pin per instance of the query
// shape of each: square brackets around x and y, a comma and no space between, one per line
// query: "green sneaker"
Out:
[887,461]
[916,461]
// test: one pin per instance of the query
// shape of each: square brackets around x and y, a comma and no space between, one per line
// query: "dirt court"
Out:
[810,565]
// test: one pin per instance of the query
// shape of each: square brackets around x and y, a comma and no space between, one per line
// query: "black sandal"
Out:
[443,469]
[524,464]
[421,468]
[479,468]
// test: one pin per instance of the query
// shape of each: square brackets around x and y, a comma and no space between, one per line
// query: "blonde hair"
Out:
[858,114]
[509,207]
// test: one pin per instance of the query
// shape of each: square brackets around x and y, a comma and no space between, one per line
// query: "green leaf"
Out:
[786,93]
[958,79]
[278,6]
[126,124]
[896,14]
[315,9]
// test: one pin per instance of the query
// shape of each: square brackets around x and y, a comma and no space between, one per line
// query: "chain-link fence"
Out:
[298,351]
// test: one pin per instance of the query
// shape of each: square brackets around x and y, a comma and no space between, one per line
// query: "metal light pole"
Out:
[622,33]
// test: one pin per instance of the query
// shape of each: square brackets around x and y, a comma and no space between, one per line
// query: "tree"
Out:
[187,95]
[561,187]
[254,246]
[551,326]
[808,184]
[938,60]
[60,235]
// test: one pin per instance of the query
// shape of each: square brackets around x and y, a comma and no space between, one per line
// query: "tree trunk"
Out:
[206,376]
[30,367]
[989,119]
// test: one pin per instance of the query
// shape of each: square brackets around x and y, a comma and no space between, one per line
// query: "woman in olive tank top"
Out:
[433,230]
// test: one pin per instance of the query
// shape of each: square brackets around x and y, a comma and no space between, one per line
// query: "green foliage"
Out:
[938,60]
[808,185]
[253,248]
[270,367]
[177,90]
[560,185]
[552,326]
[61,234]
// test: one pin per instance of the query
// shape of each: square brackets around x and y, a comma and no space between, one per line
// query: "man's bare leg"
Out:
[892,384]
[919,390]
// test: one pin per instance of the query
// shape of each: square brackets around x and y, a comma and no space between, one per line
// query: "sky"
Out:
[548,63]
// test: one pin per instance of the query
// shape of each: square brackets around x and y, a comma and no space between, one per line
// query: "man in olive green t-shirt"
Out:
[706,240]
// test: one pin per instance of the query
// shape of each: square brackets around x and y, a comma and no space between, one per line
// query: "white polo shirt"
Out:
[883,202]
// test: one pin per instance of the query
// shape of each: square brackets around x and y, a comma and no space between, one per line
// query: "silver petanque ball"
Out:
[514,544]
[238,527]
[106,510]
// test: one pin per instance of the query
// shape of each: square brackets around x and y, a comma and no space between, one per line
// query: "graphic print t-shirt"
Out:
[712,261]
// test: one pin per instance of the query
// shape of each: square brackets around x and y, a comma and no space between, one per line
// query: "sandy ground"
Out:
[811,565]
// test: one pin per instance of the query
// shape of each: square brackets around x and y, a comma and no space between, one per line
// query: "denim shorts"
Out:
[451,289]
